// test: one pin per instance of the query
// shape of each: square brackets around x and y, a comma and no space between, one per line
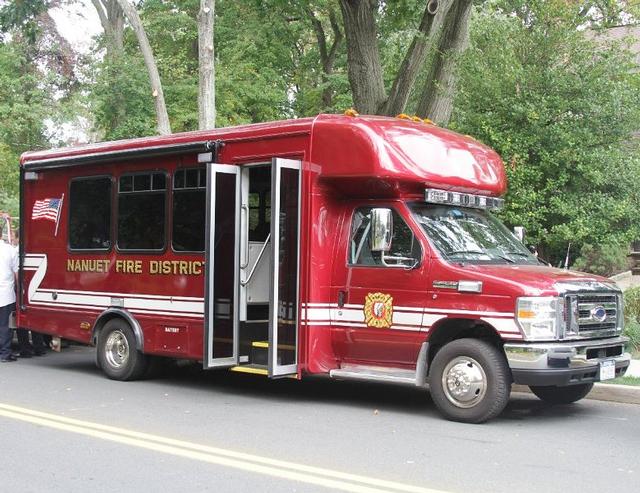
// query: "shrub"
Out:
[604,260]
[632,331]
[632,317]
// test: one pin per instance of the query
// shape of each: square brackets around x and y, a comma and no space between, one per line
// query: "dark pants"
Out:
[6,334]
[35,346]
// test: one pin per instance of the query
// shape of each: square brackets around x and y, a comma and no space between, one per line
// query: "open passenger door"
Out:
[221,266]
[231,337]
[285,267]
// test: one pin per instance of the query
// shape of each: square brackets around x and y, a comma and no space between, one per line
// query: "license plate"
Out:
[607,369]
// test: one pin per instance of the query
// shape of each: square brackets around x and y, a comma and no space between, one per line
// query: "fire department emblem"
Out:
[378,310]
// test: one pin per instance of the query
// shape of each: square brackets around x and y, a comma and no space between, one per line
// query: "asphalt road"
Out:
[66,428]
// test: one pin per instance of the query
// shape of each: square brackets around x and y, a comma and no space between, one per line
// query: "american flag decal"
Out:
[48,209]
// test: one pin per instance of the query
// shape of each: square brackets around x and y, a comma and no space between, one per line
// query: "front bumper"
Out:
[565,362]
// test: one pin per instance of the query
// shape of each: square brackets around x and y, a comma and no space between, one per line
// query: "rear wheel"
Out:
[470,381]
[117,353]
[562,395]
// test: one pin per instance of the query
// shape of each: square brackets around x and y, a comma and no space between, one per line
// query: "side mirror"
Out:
[381,229]
[518,232]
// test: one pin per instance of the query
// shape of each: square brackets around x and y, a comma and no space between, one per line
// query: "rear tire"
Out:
[470,381]
[117,353]
[562,395]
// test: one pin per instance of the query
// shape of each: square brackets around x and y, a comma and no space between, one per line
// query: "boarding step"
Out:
[260,351]
[254,369]
[375,373]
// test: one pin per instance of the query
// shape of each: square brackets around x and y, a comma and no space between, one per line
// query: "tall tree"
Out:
[436,101]
[206,58]
[112,21]
[444,24]
[560,109]
[163,125]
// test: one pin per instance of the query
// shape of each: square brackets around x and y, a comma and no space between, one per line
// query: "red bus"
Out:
[356,247]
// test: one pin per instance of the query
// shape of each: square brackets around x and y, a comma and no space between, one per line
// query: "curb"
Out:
[626,394]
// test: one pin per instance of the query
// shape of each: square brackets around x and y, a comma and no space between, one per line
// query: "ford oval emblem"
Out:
[598,313]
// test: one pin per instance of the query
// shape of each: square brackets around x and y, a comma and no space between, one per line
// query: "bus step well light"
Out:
[436,196]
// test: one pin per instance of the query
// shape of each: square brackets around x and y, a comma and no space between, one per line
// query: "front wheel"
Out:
[117,353]
[561,395]
[470,381]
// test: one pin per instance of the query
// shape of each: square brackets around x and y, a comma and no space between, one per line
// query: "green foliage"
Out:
[632,304]
[21,15]
[632,331]
[23,109]
[632,317]
[560,109]
[120,99]
[605,259]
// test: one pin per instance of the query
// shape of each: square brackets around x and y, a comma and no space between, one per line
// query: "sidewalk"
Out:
[634,369]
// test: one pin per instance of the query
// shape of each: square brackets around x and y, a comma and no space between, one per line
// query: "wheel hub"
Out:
[117,349]
[464,382]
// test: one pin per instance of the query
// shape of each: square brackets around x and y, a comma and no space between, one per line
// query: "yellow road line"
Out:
[328,478]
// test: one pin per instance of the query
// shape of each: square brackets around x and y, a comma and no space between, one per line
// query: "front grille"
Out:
[593,314]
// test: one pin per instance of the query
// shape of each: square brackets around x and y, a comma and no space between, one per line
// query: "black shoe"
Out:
[8,359]
[25,354]
[40,352]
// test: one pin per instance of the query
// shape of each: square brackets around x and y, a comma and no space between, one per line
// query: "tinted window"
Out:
[404,251]
[90,214]
[189,201]
[141,211]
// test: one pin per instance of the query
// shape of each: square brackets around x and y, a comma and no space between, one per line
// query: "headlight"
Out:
[540,318]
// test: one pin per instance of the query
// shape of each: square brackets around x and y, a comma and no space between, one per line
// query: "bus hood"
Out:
[535,280]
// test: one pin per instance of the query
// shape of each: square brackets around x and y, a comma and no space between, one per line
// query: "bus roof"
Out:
[378,152]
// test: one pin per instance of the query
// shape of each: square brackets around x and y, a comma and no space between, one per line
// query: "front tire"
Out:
[117,353]
[470,381]
[562,395]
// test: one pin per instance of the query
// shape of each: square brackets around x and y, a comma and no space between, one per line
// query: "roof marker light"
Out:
[436,196]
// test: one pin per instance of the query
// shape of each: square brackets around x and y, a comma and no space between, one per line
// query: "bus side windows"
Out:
[141,211]
[405,249]
[189,209]
[90,214]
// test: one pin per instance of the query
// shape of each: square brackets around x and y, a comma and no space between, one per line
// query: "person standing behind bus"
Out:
[8,269]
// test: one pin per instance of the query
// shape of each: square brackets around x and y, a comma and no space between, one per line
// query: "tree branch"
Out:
[363,55]
[131,13]
[427,35]
[436,100]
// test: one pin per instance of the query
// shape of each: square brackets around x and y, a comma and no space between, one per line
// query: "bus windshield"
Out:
[468,235]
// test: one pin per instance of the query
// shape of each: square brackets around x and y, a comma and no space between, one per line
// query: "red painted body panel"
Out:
[346,162]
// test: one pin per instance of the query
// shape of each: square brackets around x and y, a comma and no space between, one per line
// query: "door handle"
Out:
[244,236]
[341,297]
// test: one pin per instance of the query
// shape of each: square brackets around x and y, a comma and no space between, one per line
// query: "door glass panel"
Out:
[223,265]
[287,289]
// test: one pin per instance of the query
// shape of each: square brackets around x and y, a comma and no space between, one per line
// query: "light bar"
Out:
[436,196]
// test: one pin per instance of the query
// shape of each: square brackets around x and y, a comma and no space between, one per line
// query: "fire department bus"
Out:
[356,247]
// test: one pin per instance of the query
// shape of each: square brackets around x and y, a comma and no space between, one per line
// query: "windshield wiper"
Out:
[519,254]
[511,261]
[465,252]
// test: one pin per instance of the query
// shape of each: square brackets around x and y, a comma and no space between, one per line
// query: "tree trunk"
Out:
[327,55]
[436,101]
[363,56]
[131,13]
[427,35]
[207,79]
[112,21]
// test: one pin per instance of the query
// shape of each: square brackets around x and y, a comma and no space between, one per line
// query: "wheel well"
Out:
[126,317]
[451,329]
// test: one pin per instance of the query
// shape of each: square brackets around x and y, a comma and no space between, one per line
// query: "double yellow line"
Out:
[333,480]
